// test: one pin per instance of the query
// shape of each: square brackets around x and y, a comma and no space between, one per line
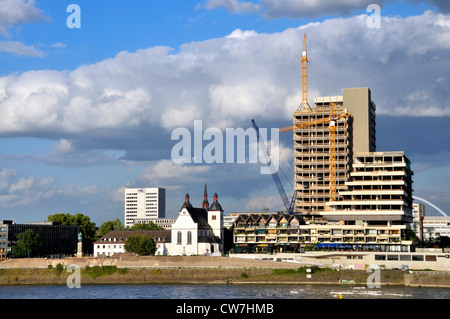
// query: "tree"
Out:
[87,228]
[108,226]
[27,244]
[148,226]
[141,245]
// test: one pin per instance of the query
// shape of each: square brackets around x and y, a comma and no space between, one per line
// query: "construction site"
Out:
[346,194]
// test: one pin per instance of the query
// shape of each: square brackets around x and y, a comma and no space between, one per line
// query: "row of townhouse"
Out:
[266,232]
[290,233]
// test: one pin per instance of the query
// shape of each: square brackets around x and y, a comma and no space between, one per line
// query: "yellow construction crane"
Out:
[305,104]
[332,130]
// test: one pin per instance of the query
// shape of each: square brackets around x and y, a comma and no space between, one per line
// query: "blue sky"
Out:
[87,111]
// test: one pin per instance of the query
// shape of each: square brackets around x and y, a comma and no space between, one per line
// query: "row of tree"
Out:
[28,242]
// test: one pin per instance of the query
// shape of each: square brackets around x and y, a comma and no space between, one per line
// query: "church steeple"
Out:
[186,204]
[215,205]
[205,204]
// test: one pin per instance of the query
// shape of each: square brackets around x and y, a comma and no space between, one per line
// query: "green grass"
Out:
[299,271]
[98,271]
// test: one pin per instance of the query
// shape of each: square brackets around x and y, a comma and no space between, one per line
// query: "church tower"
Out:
[215,218]
[205,204]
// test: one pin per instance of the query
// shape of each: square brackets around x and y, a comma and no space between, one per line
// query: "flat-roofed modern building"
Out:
[436,226]
[56,240]
[144,204]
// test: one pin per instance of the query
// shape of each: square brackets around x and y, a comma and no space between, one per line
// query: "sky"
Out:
[91,94]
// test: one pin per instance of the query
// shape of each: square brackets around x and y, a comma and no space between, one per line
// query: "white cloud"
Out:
[262,202]
[19,48]
[14,12]
[228,81]
[167,171]
[6,177]
[233,6]
[310,8]
[64,146]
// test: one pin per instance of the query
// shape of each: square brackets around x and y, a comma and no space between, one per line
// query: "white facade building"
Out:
[144,204]
[114,242]
[436,226]
[198,231]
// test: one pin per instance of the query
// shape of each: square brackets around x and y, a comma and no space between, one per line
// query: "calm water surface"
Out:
[180,291]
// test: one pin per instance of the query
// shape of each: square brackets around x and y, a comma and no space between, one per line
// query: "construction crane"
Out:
[288,205]
[305,105]
[332,130]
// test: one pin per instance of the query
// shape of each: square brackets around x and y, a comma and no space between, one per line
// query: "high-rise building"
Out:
[144,204]
[355,133]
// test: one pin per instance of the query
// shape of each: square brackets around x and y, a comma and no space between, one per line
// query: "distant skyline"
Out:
[86,112]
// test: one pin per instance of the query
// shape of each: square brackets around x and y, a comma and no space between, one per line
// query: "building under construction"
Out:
[347,194]
[314,182]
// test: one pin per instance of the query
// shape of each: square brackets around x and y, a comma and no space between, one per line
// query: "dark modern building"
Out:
[56,240]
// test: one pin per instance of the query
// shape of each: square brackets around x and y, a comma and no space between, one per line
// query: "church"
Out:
[198,231]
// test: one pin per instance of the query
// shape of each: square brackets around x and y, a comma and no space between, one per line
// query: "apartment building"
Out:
[267,233]
[144,204]
[376,208]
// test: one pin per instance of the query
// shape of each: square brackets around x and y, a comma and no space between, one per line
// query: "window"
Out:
[213,217]
[179,238]
[189,238]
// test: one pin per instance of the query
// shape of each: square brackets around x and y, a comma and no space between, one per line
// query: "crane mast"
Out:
[305,105]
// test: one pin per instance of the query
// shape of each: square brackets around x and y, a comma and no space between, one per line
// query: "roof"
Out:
[215,205]
[199,216]
[209,239]
[122,235]
[264,218]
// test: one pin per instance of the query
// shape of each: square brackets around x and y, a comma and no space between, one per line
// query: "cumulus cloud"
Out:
[226,82]
[313,9]
[27,191]
[309,9]
[14,12]
[229,80]
[19,48]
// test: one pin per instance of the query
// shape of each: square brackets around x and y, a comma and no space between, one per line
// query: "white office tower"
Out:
[144,204]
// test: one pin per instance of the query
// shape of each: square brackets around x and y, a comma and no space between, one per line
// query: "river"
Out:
[195,291]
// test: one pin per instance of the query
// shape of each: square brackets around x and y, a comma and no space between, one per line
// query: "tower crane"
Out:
[332,130]
[305,103]
[289,206]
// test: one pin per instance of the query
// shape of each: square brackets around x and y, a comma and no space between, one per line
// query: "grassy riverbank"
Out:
[115,275]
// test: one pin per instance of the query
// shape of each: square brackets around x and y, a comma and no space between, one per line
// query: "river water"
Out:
[195,291]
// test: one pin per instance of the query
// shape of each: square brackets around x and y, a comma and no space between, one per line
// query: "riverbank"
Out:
[202,270]
[177,275]
[114,275]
